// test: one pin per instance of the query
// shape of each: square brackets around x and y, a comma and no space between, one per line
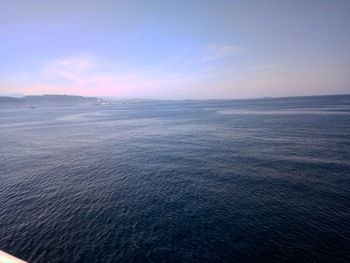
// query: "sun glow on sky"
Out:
[175,49]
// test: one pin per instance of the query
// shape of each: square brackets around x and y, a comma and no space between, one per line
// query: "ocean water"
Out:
[193,181]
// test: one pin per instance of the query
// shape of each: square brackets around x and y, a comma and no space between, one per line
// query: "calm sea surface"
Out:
[196,181]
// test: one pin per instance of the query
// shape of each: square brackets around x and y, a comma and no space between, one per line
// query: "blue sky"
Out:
[175,49]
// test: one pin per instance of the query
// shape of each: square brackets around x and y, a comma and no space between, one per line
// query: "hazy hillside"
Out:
[10,100]
[49,100]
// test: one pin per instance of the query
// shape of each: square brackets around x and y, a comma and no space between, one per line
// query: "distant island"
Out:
[49,100]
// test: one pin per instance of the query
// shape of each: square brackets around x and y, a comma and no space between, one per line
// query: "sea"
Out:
[263,180]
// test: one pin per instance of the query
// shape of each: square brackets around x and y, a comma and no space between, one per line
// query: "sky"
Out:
[184,49]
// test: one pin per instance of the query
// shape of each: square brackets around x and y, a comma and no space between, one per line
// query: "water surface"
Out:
[191,181]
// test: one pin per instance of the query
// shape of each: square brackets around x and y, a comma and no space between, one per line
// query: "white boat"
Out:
[7,258]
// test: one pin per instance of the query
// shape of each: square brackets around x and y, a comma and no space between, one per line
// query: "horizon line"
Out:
[19,96]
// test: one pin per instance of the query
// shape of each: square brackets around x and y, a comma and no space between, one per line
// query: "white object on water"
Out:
[7,258]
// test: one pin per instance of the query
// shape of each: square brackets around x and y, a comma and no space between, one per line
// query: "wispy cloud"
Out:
[76,69]
[90,70]
[203,57]
[89,74]
[218,51]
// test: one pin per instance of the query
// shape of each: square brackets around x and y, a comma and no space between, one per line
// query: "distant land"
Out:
[13,95]
[49,100]
[33,101]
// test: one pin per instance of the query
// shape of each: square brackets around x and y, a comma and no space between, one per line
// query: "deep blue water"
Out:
[194,181]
